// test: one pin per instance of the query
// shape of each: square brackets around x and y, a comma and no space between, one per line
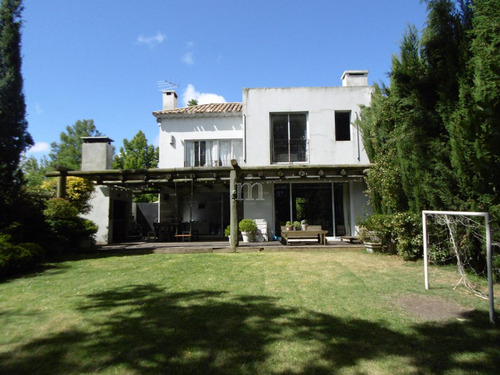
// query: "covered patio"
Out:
[195,247]
[239,182]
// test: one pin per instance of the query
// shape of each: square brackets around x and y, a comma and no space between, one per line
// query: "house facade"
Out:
[298,153]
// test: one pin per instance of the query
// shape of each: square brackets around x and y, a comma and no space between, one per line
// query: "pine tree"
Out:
[14,137]
[68,152]
[136,154]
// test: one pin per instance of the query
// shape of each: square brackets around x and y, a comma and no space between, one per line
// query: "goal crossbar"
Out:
[489,257]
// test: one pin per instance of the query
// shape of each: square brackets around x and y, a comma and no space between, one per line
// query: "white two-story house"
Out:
[299,153]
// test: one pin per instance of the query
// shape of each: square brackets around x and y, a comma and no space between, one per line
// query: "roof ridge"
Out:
[226,107]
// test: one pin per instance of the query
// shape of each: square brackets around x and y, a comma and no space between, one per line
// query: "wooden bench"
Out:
[350,239]
[312,232]
[186,235]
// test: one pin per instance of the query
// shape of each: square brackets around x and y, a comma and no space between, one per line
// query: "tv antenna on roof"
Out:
[166,85]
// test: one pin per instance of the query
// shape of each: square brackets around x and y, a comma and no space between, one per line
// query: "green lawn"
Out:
[253,313]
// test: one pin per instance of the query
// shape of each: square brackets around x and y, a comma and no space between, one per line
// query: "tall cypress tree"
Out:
[14,137]
[486,68]
[475,124]
[425,145]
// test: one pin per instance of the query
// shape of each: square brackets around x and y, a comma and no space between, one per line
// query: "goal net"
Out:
[462,238]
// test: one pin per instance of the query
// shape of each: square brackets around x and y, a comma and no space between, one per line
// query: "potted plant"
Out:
[296,225]
[371,241]
[227,232]
[303,224]
[288,225]
[247,228]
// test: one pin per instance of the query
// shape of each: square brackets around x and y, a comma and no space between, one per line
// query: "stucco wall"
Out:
[174,131]
[262,209]
[96,156]
[100,212]
[320,103]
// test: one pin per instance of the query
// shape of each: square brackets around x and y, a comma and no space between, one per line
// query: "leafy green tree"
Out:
[137,154]
[34,170]
[14,137]
[192,102]
[68,152]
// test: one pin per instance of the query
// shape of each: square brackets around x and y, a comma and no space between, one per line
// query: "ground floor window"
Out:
[319,203]
[216,153]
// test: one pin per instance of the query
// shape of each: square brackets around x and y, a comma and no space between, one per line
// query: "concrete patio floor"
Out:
[144,247]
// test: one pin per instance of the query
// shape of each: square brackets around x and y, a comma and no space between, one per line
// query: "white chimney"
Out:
[169,99]
[355,78]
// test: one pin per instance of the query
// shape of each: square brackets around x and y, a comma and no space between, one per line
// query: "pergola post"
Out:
[233,204]
[61,186]
[61,181]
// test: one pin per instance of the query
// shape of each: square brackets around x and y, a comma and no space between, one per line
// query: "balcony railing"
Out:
[290,151]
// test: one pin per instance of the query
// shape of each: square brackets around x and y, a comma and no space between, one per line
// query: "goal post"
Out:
[489,256]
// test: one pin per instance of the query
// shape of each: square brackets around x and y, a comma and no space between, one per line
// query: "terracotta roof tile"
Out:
[202,109]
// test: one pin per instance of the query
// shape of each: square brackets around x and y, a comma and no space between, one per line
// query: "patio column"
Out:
[61,181]
[233,204]
[61,186]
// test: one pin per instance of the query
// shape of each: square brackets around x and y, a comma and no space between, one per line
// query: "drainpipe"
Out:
[244,138]
[359,146]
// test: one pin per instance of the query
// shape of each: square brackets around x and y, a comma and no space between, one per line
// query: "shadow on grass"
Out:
[146,330]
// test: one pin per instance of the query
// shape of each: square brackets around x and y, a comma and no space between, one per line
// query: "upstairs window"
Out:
[342,125]
[212,153]
[289,137]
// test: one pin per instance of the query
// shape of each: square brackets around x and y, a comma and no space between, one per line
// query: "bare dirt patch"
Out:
[432,308]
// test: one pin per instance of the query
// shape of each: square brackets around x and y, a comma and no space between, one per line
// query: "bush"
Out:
[28,221]
[407,229]
[377,228]
[78,192]
[68,229]
[60,209]
[16,259]
[401,232]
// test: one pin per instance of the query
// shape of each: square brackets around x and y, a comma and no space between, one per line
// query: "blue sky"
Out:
[103,59]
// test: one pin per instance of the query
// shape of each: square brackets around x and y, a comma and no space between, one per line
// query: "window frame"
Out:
[209,151]
[345,131]
[304,147]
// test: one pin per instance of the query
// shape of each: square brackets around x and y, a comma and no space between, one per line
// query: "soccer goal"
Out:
[450,236]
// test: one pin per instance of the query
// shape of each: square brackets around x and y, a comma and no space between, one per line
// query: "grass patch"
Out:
[253,313]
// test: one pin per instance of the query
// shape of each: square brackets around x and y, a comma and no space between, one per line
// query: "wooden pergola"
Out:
[152,180]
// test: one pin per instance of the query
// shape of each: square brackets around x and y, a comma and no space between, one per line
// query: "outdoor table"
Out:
[320,234]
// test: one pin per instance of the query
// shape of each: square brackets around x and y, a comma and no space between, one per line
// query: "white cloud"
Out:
[188,58]
[38,109]
[39,147]
[151,41]
[201,97]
